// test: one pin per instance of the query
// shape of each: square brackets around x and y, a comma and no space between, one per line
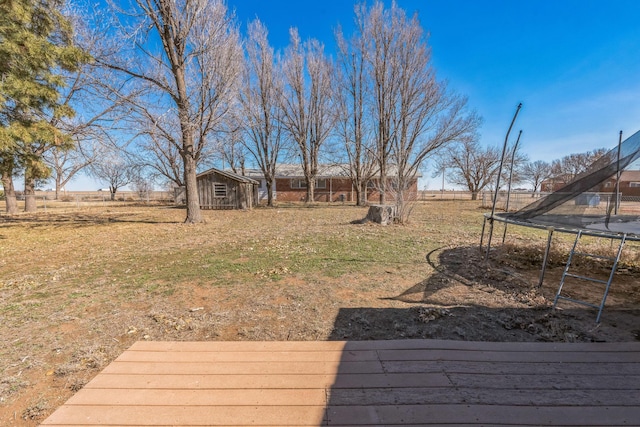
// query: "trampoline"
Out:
[598,202]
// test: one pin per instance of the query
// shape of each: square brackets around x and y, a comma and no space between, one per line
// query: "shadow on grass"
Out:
[467,299]
[477,323]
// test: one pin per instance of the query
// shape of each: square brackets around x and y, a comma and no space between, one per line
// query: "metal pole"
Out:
[495,196]
[615,207]
[484,224]
[513,157]
[546,257]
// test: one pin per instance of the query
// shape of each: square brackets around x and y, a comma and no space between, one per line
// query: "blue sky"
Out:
[574,65]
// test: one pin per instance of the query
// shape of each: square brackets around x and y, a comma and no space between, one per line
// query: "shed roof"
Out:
[230,175]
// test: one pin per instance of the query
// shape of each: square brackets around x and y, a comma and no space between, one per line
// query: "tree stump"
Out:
[381,214]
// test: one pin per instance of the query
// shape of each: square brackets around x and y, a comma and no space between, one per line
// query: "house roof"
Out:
[295,171]
[563,178]
[630,176]
[230,175]
[625,176]
[336,170]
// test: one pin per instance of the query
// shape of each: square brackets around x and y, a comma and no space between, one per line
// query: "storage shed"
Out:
[219,189]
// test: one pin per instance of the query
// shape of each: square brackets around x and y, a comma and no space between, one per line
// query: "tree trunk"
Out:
[58,186]
[269,192]
[310,191]
[474,195]
[382,184]
[29,194]
[194,215]
[358,190]
[9,193]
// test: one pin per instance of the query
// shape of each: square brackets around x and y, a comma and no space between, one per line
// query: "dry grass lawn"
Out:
[79,287]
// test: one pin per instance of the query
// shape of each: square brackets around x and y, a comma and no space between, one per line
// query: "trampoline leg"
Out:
[482,235]
[613,272]
[486,255]
[504,235]
[546,257]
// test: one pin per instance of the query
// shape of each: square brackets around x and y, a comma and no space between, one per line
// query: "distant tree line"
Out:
[475,168]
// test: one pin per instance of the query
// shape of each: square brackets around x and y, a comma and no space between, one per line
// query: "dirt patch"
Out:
[499,300]
[77,291]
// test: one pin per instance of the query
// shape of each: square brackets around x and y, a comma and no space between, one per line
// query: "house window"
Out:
[301,183]
[219,190]
[298,183]
[608,184]
[634,184]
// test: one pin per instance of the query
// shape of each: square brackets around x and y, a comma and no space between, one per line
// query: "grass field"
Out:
[79,286]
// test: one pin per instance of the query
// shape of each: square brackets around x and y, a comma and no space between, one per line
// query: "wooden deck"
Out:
[410,382]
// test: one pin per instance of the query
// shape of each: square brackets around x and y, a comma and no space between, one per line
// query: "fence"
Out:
[77,200]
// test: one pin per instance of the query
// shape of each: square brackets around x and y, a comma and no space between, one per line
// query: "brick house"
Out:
[333,184]
[555,183]
[629,184]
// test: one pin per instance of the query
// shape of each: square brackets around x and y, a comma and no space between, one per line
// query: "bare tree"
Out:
[113,167]
[376,27]
[141,182]
[536,172]
[307,103]
[414,114]
[161,154]
[353,126]
[471,165]
[572,165]
[232,149]
[190,77]
[262,86]
[66,164]
[426,116]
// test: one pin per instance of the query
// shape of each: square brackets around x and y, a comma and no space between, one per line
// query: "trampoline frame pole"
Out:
[484,224]
[615,206]
[546,257]
[513,157]
[495,196]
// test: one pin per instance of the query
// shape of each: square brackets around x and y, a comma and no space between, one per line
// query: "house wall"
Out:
[625,189]
[337,190]
[550,186]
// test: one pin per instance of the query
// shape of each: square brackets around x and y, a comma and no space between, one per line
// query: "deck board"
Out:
[409,382]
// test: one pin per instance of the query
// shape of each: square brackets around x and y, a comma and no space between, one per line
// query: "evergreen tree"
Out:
[36,47]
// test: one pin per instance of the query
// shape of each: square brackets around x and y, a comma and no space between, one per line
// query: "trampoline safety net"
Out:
[591,201]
